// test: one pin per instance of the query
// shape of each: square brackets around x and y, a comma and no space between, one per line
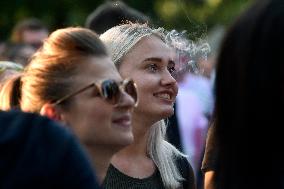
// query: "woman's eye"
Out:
[171,69]
[152,67]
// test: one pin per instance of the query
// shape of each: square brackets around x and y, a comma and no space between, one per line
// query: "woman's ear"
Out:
[50,111]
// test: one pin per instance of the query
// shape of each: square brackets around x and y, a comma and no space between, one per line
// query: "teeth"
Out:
[164,95]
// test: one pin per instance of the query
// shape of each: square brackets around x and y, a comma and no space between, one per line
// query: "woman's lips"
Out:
[123,121]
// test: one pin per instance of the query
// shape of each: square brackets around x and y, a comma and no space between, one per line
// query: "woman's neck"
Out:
[133,160]
[141,129]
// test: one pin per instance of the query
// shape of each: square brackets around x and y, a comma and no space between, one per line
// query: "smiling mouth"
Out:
[124,121]
[164,96]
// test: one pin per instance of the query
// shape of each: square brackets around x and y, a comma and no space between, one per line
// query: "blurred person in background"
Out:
[193,111]
[113,13]
[18,52]
[245,140]
[31,31]
[72,79]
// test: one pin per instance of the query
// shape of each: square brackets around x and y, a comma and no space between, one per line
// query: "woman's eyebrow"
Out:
[152,59]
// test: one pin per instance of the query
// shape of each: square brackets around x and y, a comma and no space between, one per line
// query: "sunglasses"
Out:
[109,90]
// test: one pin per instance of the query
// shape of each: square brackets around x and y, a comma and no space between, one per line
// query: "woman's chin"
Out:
[167,113]
[156,113]
[124,143]
[127,140]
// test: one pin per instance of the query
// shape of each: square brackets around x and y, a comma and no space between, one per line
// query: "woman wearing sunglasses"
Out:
[150,162]
[72,79]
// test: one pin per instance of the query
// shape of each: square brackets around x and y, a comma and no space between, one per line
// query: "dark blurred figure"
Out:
[30,31]
[244,147]
[111,14]
[18,52]
[37,153]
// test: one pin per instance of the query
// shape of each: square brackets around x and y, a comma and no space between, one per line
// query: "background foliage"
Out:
[195,16]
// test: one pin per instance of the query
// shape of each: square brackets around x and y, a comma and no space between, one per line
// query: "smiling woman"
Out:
[150,162]
[72,79]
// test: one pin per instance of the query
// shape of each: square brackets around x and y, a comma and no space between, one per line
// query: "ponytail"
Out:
[10,93]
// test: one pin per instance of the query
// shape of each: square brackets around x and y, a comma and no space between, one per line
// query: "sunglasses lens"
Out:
[110,91]
[130,88]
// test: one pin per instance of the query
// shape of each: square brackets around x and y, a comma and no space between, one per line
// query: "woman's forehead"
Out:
[151,46]
[97,68]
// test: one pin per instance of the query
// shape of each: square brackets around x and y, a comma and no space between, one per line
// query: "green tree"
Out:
[195,16]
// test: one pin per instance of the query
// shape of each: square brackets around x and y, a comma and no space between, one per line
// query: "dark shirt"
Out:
[37,153]
[172,133]
[115,179]
[187,173]
[118,180]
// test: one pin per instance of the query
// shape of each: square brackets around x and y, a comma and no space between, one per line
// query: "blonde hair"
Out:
[119,41]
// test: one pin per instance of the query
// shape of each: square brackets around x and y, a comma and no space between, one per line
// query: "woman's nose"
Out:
[168,79]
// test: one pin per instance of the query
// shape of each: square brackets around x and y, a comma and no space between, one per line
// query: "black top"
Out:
[172,133]
[186,172]
[37,153]
[115,179]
